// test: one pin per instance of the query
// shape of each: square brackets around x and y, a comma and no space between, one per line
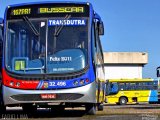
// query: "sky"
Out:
[130,26]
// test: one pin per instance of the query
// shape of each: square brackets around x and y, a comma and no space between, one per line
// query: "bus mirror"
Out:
[158,73]
[100,28]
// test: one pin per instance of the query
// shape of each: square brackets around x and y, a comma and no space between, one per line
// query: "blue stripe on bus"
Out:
[153,96]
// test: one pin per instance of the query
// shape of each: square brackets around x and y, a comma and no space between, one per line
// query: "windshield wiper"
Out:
[32,27]
[58,30]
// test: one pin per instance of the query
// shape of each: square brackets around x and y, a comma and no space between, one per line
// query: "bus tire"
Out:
[58,108]
[123,100]
[90,109]
[2,109]
[100,107]
[29,108]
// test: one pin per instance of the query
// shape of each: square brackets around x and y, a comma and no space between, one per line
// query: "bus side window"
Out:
[114,88]
[122,86]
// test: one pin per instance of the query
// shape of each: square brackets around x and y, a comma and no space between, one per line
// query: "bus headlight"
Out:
[17,84]
[81,82]
[75,83]
[11,83]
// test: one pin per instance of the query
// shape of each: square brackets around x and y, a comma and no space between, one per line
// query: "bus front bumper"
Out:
[84,94]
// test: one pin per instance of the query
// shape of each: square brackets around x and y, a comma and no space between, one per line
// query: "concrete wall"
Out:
[123,71]
[124,64]
[126,57]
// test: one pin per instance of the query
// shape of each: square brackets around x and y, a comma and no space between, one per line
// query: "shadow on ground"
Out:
[44,113]
[135,106]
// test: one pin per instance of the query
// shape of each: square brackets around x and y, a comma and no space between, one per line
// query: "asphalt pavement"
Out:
[110,112]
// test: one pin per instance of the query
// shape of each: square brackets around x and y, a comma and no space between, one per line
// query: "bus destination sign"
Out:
[27,11]
[61,10]
[47,10]
[21,11]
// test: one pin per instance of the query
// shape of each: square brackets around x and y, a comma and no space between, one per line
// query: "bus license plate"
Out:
[48,96]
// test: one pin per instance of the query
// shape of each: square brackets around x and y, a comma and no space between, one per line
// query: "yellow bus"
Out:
[124,91]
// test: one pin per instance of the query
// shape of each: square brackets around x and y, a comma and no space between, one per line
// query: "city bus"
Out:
[53,56]
[158,77]
[126,91]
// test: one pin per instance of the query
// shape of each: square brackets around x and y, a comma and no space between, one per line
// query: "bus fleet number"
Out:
[57,84]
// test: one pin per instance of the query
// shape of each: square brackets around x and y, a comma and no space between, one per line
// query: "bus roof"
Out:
[131,80]
[47,2]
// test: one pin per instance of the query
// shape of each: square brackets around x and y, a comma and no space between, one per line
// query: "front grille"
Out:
[37,97]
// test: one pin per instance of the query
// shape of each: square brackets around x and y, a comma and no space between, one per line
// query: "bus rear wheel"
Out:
[90,109]
[123,101]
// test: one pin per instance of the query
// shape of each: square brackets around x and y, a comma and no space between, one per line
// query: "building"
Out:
[124,64]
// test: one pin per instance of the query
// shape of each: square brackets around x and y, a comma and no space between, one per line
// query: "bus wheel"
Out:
[90,109]
[100,106]
[29,108]
[123,101]
[2,109]
[58,108]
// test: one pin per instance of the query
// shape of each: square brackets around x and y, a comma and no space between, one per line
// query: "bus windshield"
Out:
[47,45]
